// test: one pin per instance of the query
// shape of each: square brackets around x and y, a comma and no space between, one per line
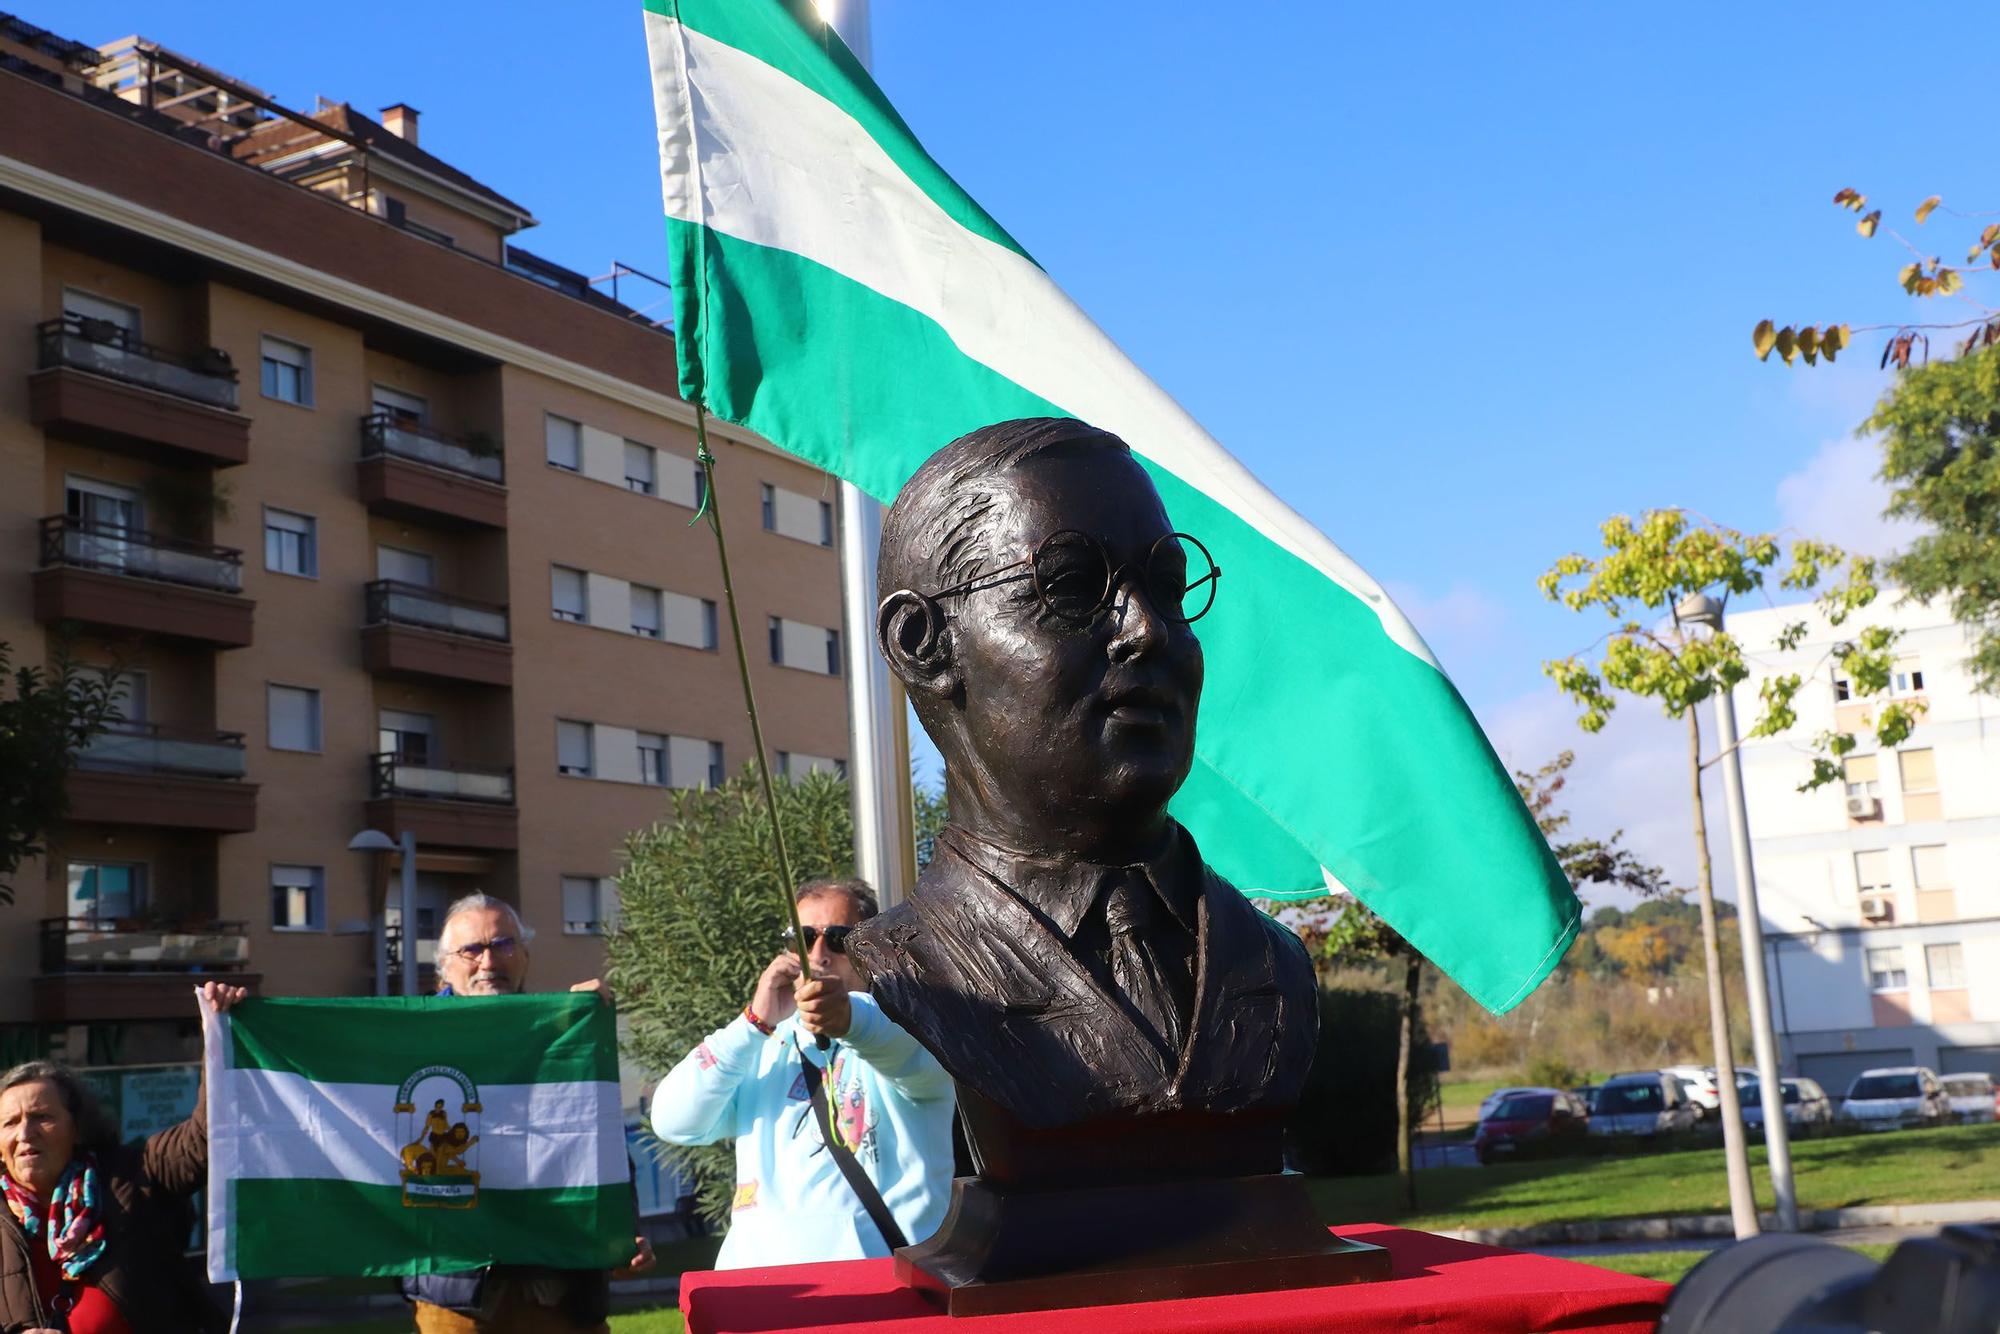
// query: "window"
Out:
[801,517]
[709,636]
[1907,679]
[796,765]
[641,468]
[569,596]
[645,611]
[404,407]
[298,898]
[770,504]
[107,890]
[573,749]
[288,372]
[565,443]
[130,697]
[1929,866]
[652,759]
[1919,770]
[700,486]
[1843,689]
[808,647]
[777,641]
[293,718]
[583,899]
[1863,773]
[826,523]
[1871,871]
[114,313]
[715,773]
[406,567]
[291,543]
[410,737]
[1946,966]
[833,653]
[1885,969]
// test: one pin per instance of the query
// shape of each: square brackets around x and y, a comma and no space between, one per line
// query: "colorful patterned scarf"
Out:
[76,1234]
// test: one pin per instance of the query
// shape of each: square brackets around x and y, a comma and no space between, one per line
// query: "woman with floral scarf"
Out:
[92,1235]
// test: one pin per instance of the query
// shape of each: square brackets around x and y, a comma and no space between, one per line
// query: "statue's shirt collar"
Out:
[1063,889]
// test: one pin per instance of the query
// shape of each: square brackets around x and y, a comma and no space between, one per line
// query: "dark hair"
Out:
[936,531]
[95,1130]
[859,892]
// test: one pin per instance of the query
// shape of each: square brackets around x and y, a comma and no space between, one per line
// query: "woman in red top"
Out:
[92,1233]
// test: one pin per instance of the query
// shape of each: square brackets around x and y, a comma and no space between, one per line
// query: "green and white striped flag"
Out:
[836,292]
[414,1136]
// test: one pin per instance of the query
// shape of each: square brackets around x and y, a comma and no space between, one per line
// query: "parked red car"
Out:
[1527,1120]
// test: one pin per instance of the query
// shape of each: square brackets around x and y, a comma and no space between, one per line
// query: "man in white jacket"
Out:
[889,1099]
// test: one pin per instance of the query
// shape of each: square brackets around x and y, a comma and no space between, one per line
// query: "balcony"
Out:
[103,969]
[412,631]
[117,578]
[99,386]
[410,471]
[454,805]
[146,774]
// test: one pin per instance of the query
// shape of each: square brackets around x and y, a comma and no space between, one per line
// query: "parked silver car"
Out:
[1807,1108]
[1895,1097]
[1648,1103]
[1971,1097]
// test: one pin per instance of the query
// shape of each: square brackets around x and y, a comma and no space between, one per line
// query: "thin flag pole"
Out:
[713,513]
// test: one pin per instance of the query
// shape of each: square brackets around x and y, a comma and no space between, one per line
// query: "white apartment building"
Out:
[1880,896]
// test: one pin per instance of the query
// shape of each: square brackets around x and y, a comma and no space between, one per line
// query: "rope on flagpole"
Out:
[713,513]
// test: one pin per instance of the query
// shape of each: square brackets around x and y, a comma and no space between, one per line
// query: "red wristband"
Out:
[757,1023]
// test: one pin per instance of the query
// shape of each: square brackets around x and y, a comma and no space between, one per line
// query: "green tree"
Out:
[701,911]
[44,721]
[1940,431]
[1650,577]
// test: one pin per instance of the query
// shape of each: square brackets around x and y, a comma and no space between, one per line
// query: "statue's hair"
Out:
[858,891]
[935,534]
[474,902]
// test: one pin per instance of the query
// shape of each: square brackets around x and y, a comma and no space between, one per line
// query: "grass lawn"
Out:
[1668,1266]
[1898,1167]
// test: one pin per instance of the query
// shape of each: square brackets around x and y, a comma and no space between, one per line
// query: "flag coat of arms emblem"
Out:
[394,1136]
[838,293]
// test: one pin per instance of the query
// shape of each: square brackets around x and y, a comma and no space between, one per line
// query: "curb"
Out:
[1695,1226]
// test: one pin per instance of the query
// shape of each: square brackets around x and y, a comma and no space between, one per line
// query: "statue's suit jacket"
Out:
[984,981]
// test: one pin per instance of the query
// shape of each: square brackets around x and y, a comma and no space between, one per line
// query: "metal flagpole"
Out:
[878,756]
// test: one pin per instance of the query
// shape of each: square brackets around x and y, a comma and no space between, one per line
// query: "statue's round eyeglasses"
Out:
[1075,579]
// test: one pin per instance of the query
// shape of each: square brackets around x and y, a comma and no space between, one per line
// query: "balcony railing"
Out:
[89,944]
[91,545]
[394,777]
[399,437]
[393,603]
[103,348]
[149,748]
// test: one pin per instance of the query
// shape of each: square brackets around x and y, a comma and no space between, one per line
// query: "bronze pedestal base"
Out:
[1002,1250]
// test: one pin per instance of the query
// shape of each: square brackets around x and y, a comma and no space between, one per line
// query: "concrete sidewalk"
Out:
[1693,1227]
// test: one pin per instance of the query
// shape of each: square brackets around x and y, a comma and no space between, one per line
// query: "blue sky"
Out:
[1458,281]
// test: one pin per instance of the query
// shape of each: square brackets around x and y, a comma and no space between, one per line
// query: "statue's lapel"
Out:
[1232,1042]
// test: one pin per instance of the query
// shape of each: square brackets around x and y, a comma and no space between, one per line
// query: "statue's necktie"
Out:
[1129,914]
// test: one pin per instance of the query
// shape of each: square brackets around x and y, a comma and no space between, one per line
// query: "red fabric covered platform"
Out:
[1439,1285]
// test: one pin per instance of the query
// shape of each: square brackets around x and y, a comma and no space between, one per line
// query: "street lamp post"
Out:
[1708,611]
[372,840]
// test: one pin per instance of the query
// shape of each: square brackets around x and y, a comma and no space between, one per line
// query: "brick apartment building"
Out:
[385,523]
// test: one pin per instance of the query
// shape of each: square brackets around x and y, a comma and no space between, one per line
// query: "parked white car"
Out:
[1650,1103]
[1699,1083]
[1807,1108]
[1971,1097]
[1895,1097]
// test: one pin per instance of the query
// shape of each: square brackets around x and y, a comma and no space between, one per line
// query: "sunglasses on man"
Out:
[836,937]
[500,947]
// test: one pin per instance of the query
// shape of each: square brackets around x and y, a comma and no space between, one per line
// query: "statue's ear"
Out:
[915,637]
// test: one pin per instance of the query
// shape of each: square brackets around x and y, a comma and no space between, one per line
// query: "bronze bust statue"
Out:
[1113,1012]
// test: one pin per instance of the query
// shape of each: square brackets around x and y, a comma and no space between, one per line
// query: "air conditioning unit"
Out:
[1877,908]
[1863,808]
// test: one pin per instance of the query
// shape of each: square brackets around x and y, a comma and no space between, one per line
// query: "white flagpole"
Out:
[878,751]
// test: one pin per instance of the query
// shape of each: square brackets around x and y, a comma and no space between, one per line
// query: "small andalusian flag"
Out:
[836,292]
[427,1135]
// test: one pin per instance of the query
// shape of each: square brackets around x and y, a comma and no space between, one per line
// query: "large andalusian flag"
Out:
[836,292]
[393,1136]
